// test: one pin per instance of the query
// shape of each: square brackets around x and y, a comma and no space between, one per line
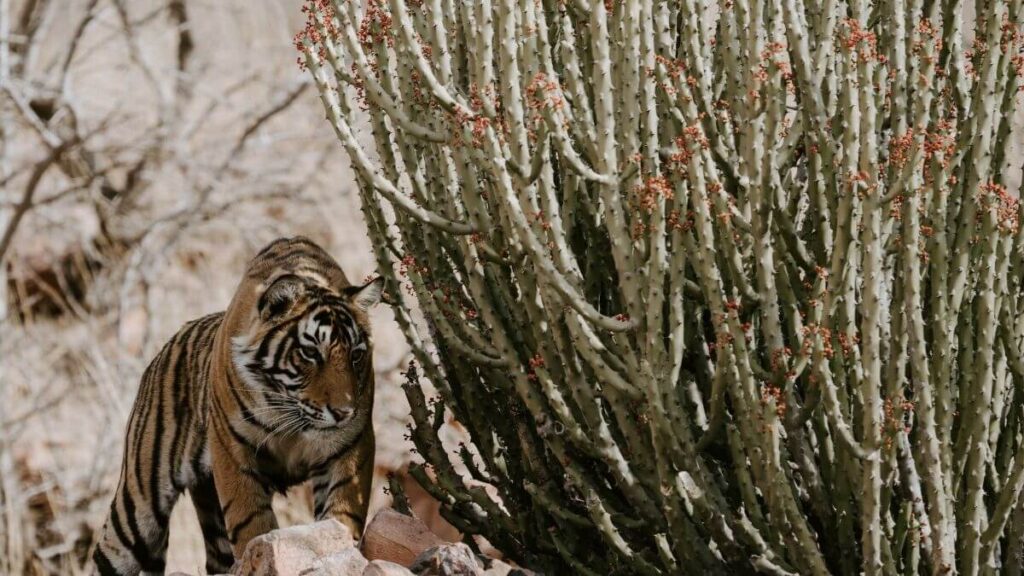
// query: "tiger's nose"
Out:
[337,415]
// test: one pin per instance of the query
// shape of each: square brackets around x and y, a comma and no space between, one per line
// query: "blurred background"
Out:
[148,148]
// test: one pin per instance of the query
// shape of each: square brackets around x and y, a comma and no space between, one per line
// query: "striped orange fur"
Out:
[276,390]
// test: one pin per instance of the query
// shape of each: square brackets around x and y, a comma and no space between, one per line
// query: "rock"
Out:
[397,538]
[346,563]
[447,560]
[293,551]
[494,567]
[498,568]
[385,568]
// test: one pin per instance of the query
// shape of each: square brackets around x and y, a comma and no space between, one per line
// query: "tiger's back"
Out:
[238,405]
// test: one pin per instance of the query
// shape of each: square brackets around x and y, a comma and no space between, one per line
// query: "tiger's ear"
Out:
[368,295]
[279,296]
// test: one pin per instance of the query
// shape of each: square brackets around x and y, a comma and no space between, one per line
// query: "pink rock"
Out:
[397,538]
[295,550]
[349,562]
[448,560]
[499,568]
[385,568]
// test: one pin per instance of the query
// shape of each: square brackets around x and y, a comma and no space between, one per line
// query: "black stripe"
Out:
[234,391]
[340,483]
[240,438]
[226,422]
[356,516]
[197,456]
[148,388]
[322,504]
[345,448]
[233,534]
[346,318]
[156,458]
[262,349]
[284,257]
[285,345]
[135,543]
[254,422]
[243,408]
[269,247]
[219,433]
[217,561]
[180,386]
[103,565]
[246,415]
[257,477]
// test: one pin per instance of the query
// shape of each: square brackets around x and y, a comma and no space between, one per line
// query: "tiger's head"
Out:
[307,352]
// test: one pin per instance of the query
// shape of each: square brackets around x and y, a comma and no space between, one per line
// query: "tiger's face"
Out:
[307,354]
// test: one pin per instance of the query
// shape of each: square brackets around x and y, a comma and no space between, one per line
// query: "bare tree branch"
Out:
[30,190]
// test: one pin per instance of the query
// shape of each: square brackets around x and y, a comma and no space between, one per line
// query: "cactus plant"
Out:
[719,287]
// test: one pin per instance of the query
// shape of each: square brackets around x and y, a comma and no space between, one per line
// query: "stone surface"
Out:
[348,562]
[385,568]
[397,538]
[447,560]
[498,568]
[294,551]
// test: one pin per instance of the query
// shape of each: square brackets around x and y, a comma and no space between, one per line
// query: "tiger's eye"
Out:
[357,355]
[307,355]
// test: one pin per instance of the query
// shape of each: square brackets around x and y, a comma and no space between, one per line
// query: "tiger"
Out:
[245,403]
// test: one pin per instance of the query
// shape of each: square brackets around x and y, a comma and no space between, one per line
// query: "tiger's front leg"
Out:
[246,503]
[343,491]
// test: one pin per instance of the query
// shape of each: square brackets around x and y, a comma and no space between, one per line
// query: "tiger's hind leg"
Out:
[134,538]
[211,519]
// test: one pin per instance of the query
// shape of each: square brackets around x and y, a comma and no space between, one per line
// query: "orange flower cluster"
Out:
[477,96]
[848,341]
[310,31]
[376,25]
[940,145]
[893,419]
[771,393]
[677,222]
[479,122]
[1009,34]
[543,93]
[673,66]
[899,149]
[770,57]
[861,42]
[679,159]
[653,189]
[1006,207]
[541,220]
[779,356]
[811,330]
[927,33]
